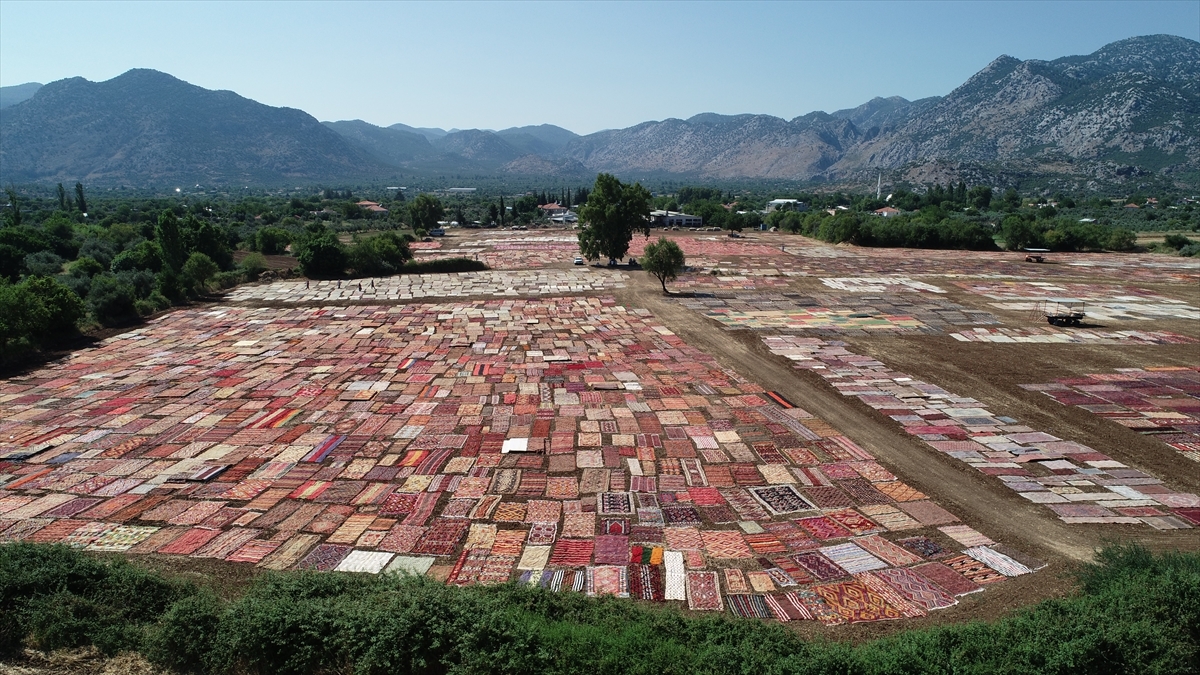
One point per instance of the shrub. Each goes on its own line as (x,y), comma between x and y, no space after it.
(443,266)
(323,257)
(100,250)
(197,272)
(183,640)
(110,300)
(381,255)
(44,263)
(145,256)
(271,240)
(63,598)
(253,265)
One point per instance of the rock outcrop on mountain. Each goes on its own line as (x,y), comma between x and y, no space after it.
(1134,101)
(1129,109)
(146,127)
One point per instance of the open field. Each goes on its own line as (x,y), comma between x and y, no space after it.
(814,434)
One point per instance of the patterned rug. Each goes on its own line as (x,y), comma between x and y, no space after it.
(497,569)
(725,544)
(852,558)
(735,581)
(916,588)
(973,569)
(818,566)
(703,591)
(947,579)
(890,595)
(619,503)
(677,515)
(828,497)
(646,582)
(572,552)
(997,561)
(324,557)
(442,537)
(781,499)
(928,513)
(508,542)
(816,607)
(579,525)
(821,527)
(542,534)
(924,547)
(612,549)
(401,538)
(190,542)
(887,551)
(749,606)
(542,511)
(468,566)
(683,538)
(122,538)
(253,551)
(608,580)
(854,521)
(856,602)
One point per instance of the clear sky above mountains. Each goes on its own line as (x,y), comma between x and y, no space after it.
(583,66)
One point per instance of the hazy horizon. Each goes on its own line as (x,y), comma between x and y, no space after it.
(581,66)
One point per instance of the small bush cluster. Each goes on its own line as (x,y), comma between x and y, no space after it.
(1135,613)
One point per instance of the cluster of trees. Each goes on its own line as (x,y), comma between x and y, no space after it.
(74,269)
(323,256)
(1182,245)
(1029,230)
(929,228)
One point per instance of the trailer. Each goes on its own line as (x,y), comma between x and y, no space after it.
(1036,255)
(1061,311)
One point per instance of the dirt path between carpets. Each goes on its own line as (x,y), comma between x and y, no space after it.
(976,498)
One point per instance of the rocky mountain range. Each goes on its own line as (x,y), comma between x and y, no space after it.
(1130,108)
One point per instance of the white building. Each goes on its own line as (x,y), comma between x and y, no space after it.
(788,204)
(674,219)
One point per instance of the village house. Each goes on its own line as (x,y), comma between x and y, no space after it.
(553,209)
(373,208)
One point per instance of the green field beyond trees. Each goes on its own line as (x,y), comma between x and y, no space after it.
(1132,612)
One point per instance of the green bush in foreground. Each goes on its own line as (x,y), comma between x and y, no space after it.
(1135,613)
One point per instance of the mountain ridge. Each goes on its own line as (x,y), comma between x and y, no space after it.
(1131,102)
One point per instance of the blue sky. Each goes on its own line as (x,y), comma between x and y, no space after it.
(584,66)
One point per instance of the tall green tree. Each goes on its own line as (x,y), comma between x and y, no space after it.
(502,211)
(426,210)
(614,211)
(663,259)
(13,216)
(62,197)
(79,200)
(170,241)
